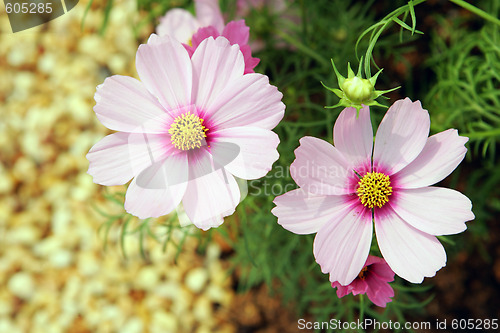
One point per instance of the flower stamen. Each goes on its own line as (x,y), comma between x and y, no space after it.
(374,189)
(362,274)
(187,132)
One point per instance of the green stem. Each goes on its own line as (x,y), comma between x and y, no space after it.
(388,19)
(361,307)
(477,11)
(479,135)
(303,48)
(304,124)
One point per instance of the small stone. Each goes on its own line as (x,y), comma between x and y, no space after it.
(163,322)
(65,319)
(19,55)
(113,313)
(23,85)
(61,259)
(6,183)
(6,325)
(47,63)
(147,278)
(84,188)
(169,290)
(41,318)
(22,285)
(5,308)
(196,279)
(87,264)
(61,220)
(202,309)
(218,295)
(47,247)
(79,109)
(213,252)
(181,305)
(24,235)
(132,325)
(117,63)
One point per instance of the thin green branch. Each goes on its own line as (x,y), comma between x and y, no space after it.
(477,11)
(303,48)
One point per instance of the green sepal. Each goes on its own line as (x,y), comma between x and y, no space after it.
(357,91)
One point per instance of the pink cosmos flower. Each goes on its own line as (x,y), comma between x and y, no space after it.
(373,280)
(346,189)
(181,25)
(186,130)
(236,32)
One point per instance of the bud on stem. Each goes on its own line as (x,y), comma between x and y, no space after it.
(355,91)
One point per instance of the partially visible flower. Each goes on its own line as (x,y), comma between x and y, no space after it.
(355,91)
(373,280)
(244,7)
(237,33)
(346,189)
(270,18)
(181,25)
(186,130)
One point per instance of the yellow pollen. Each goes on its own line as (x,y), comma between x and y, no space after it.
(374,189)
(187,132)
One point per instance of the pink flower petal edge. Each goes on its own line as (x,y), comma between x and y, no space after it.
(373,281)
(236,32)
(181,25)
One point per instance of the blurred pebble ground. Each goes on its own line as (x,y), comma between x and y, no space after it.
(54,273)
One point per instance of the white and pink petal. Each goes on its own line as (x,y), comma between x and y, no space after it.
(441,154)
(303,213)
(411,253)
(320,169)
(248,101)
(246,152)
(353,137)
(158,189)
(401,136)
(179,24)
(164,67)
(118,157)
(124,104)
(216,64)
(434,210)
(212,192)
(341,246)
(208,13)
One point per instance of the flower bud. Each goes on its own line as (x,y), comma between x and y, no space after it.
(358,90)
(355,91)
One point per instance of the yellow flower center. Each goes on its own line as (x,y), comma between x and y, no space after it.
(374,189)
(187,132)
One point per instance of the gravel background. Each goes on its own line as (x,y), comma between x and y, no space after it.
(54,273)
